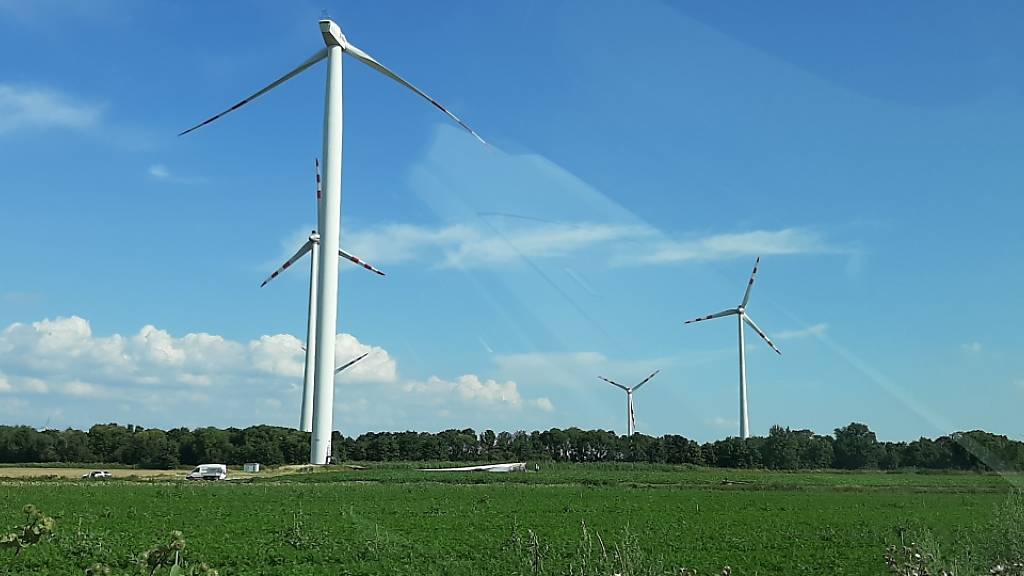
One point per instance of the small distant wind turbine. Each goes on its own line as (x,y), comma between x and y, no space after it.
(741,314)
(630,414)
(329,223)
(312,245)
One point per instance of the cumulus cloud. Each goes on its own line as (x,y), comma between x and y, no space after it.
(544,404)
(64,353)
(814,330)
(205,378)
(84,389)
(23,108)
(469,389)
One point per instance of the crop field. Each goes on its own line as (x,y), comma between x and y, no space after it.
(562,520)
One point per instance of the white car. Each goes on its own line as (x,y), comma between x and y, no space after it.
(208,472)
(97,475)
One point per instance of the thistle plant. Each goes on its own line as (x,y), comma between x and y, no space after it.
(170,556)
(37,528)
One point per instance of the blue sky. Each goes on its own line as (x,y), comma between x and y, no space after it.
(644,153)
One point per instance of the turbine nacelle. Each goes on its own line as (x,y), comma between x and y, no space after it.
(332,34)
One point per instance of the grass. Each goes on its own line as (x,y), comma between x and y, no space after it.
(600,519)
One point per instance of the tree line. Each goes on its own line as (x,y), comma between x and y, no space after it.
(850,447)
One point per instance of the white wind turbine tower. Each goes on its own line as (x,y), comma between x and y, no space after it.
(329,223)
(741,315)
(312,246)
(630,413)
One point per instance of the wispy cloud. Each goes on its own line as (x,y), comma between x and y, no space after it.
(27,108)
(722,423)
(812,330)
(472,245)
(973,347)
(164,174)
(21,297)
(733,245)
(465,245)
(159,171)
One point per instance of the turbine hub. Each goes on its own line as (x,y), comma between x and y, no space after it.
(332,34)
(314,237)
(740,310)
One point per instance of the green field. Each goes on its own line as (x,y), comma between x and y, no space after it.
(638,520)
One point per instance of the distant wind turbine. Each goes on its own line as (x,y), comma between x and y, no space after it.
(741,314)
(329,223)
(312,245)
(630,413)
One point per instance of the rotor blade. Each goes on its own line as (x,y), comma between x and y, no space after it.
(760,333)
(320,55)
(372,63)
(614,383)
(728,312)
(302,252)
(750,284)
(351,362)
(319,190)
(356,260)
(646,380)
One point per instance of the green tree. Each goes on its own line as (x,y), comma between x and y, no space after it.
(855,447)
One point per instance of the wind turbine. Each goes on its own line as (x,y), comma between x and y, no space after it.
(741,315)
(329,222)
(630,414)
(312,246)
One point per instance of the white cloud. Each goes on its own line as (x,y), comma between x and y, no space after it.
(376,367)
(163,173)
(544,404)
(63,354)
(24,107)
(469,390)
(200,379)
(722,423)
(972,347)
(470,245)
(159,171)
(34,385)
(573,370)
(83,389)
(463,245)
(489,200)
(733,245)
(812,330)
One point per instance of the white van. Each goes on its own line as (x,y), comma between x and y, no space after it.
(208,472)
